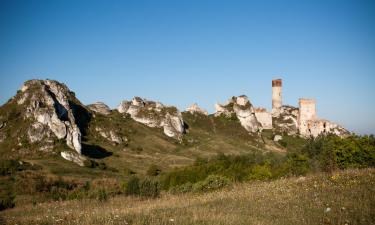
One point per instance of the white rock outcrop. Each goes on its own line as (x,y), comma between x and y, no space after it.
(155,114)
(50,106)
(242,108)
(100,108)
(73,157)
(194,108)
(110,136)
(286,120)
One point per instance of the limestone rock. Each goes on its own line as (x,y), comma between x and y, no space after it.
(155,114)
(110,136)
(277,138)
(243,109)
(37,132)
(100,108)
(286,120)
(50,105)
(73,157)
(194,108)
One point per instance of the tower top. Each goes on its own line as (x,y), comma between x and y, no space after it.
(307,101)
(277,83)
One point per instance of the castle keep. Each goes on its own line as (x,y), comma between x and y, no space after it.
(276,96)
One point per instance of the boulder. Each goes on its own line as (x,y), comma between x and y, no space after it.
(74,157)
(277,138)
(100,107)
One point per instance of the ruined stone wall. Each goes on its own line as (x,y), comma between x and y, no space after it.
(263,117)
(276,95)
(307,112)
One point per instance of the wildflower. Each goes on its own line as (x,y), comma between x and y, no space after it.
(327,210)
(171,220)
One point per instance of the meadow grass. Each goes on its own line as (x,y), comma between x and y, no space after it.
(342,197)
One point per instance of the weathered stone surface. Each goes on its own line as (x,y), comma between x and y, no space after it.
(194,108)
(50,105)
(100,108)
(311,126)
(277,138)
(74,157)
(37,132)
(286,120)
(154,114)
(263,117)
(244,111)
(111,136)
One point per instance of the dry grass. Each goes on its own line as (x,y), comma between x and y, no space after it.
(346,197)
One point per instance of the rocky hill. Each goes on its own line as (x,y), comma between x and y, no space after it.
(44,123)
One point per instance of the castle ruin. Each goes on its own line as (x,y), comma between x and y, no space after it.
(276,96)
(283,118)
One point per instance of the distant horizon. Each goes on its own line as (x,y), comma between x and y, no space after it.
(203,52)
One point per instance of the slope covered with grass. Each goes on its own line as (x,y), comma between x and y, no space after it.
(345,197)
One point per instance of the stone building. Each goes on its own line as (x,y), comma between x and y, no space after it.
(276,96)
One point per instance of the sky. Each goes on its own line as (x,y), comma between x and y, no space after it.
(203,51)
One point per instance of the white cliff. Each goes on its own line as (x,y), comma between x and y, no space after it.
(49,104)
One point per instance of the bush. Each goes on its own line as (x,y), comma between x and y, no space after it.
(297,164)
(261,172)
(149,188)
(102,195)
(7,200)
(132,186)
(153,170)
(212,182)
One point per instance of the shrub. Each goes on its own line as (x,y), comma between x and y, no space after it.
(212,182)
(102,195)
(8,167)
(149,188)
(298,164)
(7,200)
(132,186)
(153,170)
(57,193)
(261,172)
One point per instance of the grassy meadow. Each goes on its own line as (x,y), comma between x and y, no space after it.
(342,197)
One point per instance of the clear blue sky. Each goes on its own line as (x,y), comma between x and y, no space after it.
(204,51)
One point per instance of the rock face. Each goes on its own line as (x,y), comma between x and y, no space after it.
(194,108)
(242,108)
(155,114)
(50,105)
(286,120)
(100,108)
(110,136)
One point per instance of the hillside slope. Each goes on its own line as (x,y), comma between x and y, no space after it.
(45,119)
(345,197)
